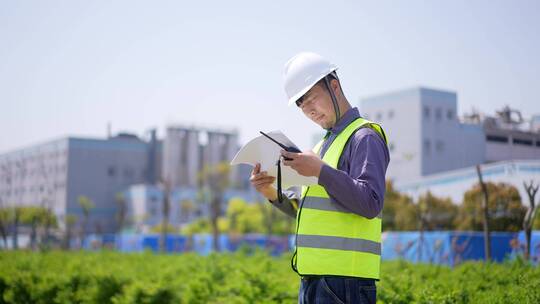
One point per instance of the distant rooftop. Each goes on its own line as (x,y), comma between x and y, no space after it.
(507,119)
(406,92)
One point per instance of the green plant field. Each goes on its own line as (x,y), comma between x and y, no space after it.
(110,277)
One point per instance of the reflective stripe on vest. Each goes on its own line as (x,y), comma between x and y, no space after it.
(330,240)
(326,203)
(334,242)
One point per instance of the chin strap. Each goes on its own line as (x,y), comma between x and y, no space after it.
(334,99)
(279,193)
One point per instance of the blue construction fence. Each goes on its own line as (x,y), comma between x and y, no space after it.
(199,243)
(438,247)
(453,247)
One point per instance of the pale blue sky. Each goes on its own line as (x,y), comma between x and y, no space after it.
(69,67)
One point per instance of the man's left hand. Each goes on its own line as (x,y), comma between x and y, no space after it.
(305,163)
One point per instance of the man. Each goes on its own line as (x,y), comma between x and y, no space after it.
(338,221)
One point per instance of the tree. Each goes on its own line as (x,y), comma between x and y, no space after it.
(201,225)
(506,211)
(242,217)
(86,205)
(121,213)
(32,216)
(4,222)
(35,217)
(529,218)
(48,220)
(70,222)
(159,229)
(536,222)
(5,179)
(436,213)
(274,222)
(269,217)
(251,219)
(234,209)
(186,209)
(485,213)
(259,217)
(46,193)
(166,210)
(215,179)
(15,216)
(399,212)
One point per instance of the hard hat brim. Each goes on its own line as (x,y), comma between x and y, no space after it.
(297,96)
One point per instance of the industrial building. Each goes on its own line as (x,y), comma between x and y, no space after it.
(432,149)
(55,174)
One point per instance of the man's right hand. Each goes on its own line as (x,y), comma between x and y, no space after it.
(263,183)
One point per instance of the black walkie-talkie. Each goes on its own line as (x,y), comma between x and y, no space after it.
(278,164)
(288,149)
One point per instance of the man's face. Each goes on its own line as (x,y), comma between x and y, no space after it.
(317,106)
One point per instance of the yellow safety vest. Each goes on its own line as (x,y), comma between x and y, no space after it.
(331,240)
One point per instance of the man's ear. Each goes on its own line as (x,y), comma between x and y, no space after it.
(336,87)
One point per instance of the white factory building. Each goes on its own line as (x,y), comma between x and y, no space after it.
(432,149)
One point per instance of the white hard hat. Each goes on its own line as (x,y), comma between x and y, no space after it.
(302,72)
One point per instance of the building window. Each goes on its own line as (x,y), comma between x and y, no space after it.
(427,146)
(111,172)
(538,143)
(450,115)
(525,142)
(128,173)
(426,112)
(390,114)
(439,146)
(497,138)
(438,114)
(153,211)
(378,117)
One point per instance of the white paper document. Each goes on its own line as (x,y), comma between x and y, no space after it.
(266,152)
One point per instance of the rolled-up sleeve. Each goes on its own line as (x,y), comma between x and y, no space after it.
(360,185)
(289,205)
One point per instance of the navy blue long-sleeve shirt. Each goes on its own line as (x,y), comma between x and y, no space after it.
(358,184)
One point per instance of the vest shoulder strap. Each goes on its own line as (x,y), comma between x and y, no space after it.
(333,154)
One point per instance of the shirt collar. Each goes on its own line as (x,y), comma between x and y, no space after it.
(349,116)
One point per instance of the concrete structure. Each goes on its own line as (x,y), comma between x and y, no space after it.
(431,149)
(424,134)
(181,156)
(535,124)
(426,137)
(145,205)
(55,174)
(36,176)
(455,183)
(187,150)
(508,138)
